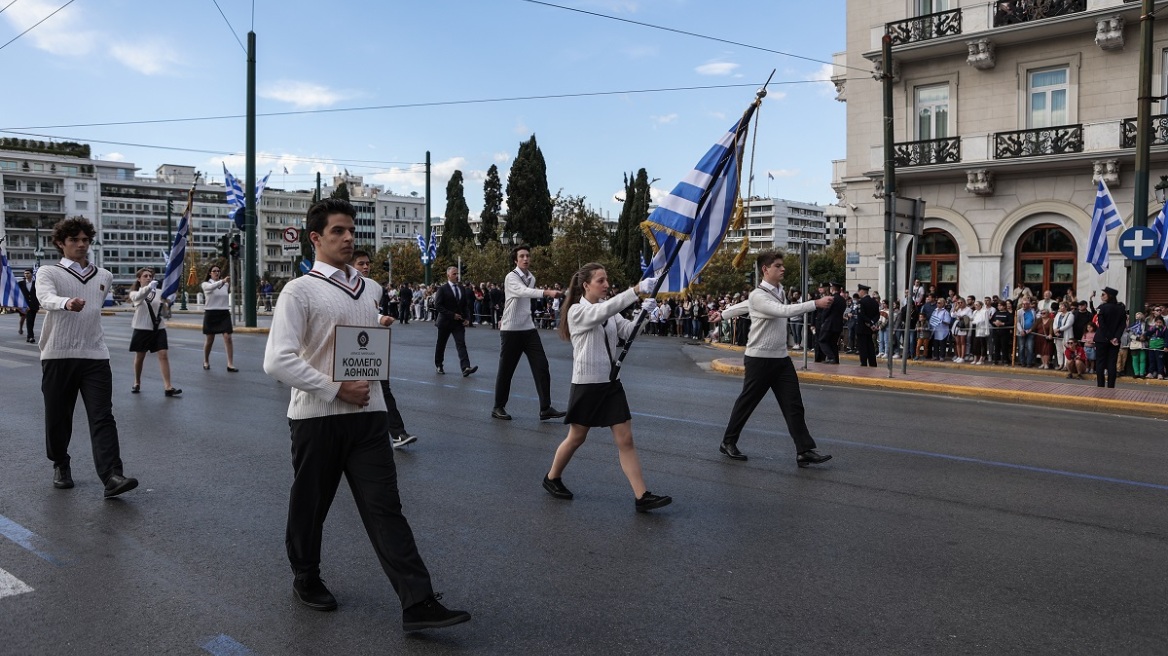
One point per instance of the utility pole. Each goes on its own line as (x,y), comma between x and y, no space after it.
(889,191)
(426,235)
(249,222)
(1138,272)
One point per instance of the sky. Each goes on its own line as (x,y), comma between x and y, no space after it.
(113,61)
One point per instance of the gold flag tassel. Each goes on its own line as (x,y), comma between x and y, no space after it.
(739,221)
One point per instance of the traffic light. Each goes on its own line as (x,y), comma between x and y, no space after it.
(235,246)
(225,246)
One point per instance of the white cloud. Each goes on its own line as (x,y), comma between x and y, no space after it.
(59,35)
(521,129)
(716,68)
(502,157)
(823,74)
(150,57)
(413,178)
(302,95)
(113,157)
(664,120)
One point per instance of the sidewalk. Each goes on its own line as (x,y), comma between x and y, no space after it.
(1146,398)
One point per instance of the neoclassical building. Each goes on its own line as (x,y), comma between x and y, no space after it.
(1005,115)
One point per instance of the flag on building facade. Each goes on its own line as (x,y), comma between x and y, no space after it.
(1104,219)
(178,251)
(689,224)
(10,294)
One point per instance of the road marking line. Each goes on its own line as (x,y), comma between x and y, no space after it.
(225,645)
(31,352)
(12,364)
(24,537)
(11,586)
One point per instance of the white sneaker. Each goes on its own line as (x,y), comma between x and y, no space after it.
(402,440)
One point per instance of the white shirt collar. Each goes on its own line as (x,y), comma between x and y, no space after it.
(71,264)
(348,275)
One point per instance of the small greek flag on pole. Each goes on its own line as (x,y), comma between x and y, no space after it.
(433,250)
(1104,219)
(422,249)
(1160,225)
(10,294)
(178,251)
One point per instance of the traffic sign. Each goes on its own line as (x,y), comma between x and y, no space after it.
(291,235)
(1138,243)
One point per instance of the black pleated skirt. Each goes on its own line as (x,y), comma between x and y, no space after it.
(598,404)
(216,322)
(152,341)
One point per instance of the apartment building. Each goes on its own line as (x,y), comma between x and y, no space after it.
(1005,115)
(781,224)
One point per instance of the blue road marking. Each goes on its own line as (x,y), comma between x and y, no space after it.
(24,537)
(225,645)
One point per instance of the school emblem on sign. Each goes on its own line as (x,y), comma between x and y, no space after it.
(363,340)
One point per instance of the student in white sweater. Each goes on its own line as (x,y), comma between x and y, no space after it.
(339,427)
(149,334)
(74,358)
(598,399)
(768,366)
(217,315)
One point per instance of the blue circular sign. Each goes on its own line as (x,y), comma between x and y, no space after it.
(1138,243)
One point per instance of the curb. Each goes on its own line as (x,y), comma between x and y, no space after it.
(1154,410)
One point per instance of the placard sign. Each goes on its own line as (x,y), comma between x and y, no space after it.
(360,353)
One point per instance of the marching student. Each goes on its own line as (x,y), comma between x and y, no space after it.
(75,359)
(149,330)
(339,427)
(518,336)
(217,315)
(27,287)
(594,325)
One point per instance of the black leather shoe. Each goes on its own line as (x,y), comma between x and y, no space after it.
(431,614)
(117,484)
(731,451)
(556,488)
(649,501)
(810,457)
(500,413)
(439,370)
(469,370)
(62,478)
(173,391)
(310,591)
(551,413)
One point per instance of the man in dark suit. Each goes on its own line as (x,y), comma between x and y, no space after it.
(1112,318)
(452,303)
(831,325)
(28,289)
(866,327)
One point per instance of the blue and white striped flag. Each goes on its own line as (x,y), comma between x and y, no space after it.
(694,217)
(433,250)
(178,251)
(234,189)
(422,249)
(10,294)
(1160,225)
(1104,219)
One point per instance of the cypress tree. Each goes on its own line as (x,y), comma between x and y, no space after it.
(492,206)
(456,228)
(529,204)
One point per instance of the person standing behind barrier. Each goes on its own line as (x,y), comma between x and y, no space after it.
(832,324)
(940,321)
(1064,326)
(28,290)
(149,330)
(75,359)
(594,326)
(1024,323)
(768,366)
(1112,320)
(217,316)
(1001,334)
(980,329)
(1139,358)
(519,337)
(867,325)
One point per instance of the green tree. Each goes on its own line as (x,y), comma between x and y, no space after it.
(342,192)
(492,206)
(529,204)
(405,261)
(793,272)
(720,275)
(625,226)
(487,263)
(638,244)
(580,238)
(456,228)
(830,265)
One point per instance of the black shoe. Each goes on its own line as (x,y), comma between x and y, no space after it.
(32,340)
(468,371)
(439,370)
(310,591)
(173,391)
(398,441)
(117,484)
(731,451)
(62,478)
(551,413)
(649,501)
(555,487)
(810,457)
(431,614)
(831,361)
(500,413)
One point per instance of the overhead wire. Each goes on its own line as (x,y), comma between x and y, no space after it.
(7,6)
(233,32)
(36,23)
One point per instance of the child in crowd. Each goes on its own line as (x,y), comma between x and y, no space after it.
(1089,346)
(1156,336)
(1139,360)
(924,334)
(1076,359)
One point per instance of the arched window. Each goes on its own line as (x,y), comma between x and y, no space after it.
(1046,260)
(937,261)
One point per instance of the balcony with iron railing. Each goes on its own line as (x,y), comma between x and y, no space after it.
(929,151)
(1012,12)
(923,28)
(1159,131)
(1055,140)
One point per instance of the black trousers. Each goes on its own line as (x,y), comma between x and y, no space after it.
(514,344)
(397,426)
(829,345)
(456,329)
(776,375)
(1106,355)
(30,320)
(866,347)
(324,448)
(61,381)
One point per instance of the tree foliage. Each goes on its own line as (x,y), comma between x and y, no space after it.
(529,203)
(580,238)
(638,245)
(492,207)
(830,265)
(720,276)
(456,229)
(342,192)
(487,263)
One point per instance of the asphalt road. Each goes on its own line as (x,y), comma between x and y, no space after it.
(942,526)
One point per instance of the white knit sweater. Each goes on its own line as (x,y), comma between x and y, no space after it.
(72,334)
(768,320)
(216,295)
(591,360)
(517,306)
(142,320)
(299,352)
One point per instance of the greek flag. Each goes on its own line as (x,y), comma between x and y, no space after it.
(1160,225)
(178,251)
(10,294)
(1104,219)
(422,249)
(433,250)
(235,197)
(688,225)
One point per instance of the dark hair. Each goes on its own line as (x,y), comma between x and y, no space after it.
(515,252)
(360,253)
(575,293)
(213,266)
(73,227)
(767,258)
(137,278)
(319,213)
